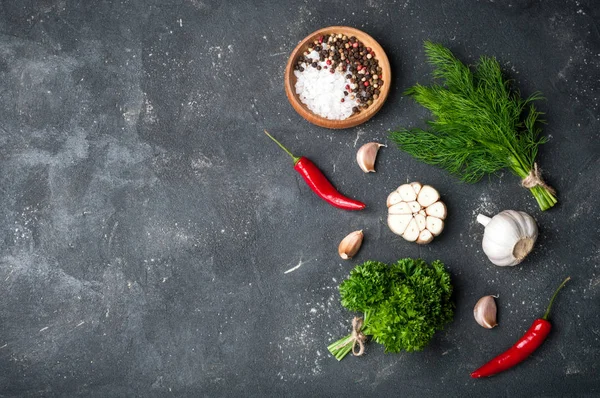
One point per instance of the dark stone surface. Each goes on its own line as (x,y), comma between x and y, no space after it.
(146,223)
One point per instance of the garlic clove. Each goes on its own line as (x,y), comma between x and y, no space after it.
(350,245)
(399,222)
(435,225)
(400,208)
(421,221)
(415,207)
(428,195)
(366,156)
(424,237)
(438,209)
(394,198)
(416,186)
(485,312)
(412,231)
(407,193)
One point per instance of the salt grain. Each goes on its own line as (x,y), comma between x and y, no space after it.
(322,91)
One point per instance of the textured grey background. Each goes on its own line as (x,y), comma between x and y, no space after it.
(146,222)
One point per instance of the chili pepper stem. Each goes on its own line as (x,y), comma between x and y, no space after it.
(294,158)
(547,313)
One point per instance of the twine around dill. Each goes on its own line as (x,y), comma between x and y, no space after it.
(535,179)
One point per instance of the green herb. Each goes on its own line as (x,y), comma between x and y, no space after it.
(480,125)
(403,304)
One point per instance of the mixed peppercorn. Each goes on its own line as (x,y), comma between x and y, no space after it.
(347,55)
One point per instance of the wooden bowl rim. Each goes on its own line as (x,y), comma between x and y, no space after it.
(353,120)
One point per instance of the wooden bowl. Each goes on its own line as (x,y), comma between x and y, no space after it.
(357,118)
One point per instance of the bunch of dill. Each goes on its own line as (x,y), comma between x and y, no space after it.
(480,125)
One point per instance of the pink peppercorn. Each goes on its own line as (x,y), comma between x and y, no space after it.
(366,84)
(328,62)
(355,44)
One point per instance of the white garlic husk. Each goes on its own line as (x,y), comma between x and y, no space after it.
(508,237)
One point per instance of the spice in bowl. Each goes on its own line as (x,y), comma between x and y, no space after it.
(337,76)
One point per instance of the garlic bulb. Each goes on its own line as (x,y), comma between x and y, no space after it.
(366,155)
(416,213)
(508,237)
(485,312)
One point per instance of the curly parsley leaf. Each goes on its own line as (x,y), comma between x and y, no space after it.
(403,304)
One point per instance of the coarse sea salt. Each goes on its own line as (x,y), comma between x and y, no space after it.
(322,91)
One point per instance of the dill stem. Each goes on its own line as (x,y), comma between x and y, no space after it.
(544,198)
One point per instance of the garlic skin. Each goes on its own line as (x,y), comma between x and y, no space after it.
(350,245)
(366,155)
(485,312)
(508,237)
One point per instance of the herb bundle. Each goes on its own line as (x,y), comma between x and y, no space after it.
(403,305)
(480,125)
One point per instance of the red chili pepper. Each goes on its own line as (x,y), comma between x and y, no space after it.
(317,181)
(530,341)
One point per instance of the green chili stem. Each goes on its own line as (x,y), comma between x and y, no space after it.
(553,297)
(294,158)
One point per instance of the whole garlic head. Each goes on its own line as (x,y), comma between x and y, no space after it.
(508,237)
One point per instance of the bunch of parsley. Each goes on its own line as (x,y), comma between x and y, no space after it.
(403,305)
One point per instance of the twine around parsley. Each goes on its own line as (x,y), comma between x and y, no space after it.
(357,338)
(535,179)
